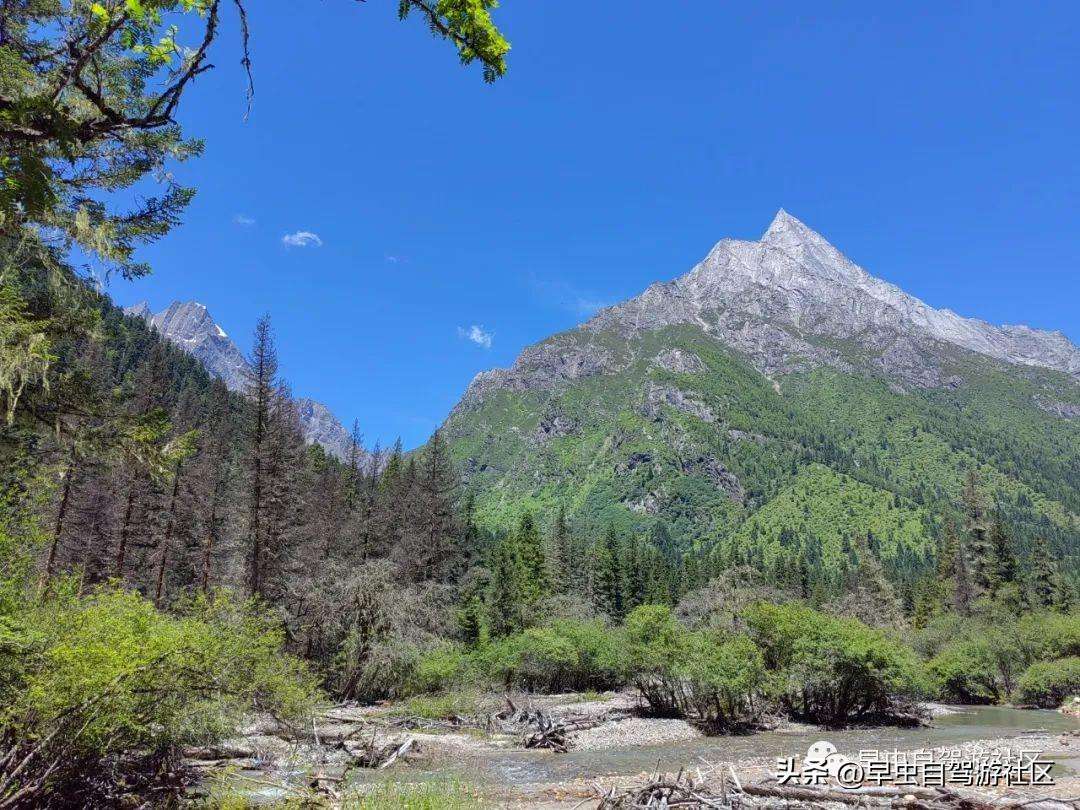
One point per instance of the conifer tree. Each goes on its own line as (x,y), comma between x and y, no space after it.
(431,552)
(977,540)
(261,389)
(507,595)
(557,553)
(1001,570)
(963,587)
(1044,577)
(530,547)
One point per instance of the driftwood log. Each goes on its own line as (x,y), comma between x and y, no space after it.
(720,789)
(375,754)
(535,727)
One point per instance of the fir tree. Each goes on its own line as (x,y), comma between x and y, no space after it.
(557,553)
(1044,578)
(262,387)
(530,548)
(507,593)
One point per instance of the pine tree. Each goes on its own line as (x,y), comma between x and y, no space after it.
(284,487)
(605,589)
(602,583)
(507,595)
(963,587)
(1001,569)
(977,541)
(214,478)
(261,389)
(1044,583)
(530,547)
(427,545)
(557,553)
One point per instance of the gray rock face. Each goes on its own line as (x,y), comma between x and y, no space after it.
(1064,410)
(679,361)
(794,280)
(562,358)
(188,324)
(783,302)
(554,425)
(658,396)
(320,426)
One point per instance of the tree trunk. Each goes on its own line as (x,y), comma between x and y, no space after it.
(208,549)
(125,530)
(61,513)
(168,536)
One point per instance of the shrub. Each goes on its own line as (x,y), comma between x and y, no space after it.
(443,706)
(1048,636)
(715,678)
(427,796)
(447,666)
(654,644)
(564,656)
(724,680)
(107,675)
(833,670)
(1048,683)
(977,669)
(941,631)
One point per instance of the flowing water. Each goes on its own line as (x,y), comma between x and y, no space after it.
(512,768)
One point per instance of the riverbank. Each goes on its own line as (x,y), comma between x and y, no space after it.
(349,751)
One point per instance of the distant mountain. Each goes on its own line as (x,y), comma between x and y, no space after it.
(778,397)
(188,324)
(321,426)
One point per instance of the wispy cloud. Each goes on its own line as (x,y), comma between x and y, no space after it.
(477,334)
(243,219)
(588,306)
(302,239)
(394,259)
(568,297)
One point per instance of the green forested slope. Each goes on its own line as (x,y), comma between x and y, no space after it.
(735,463)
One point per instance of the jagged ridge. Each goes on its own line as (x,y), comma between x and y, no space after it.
(189,325)
(774,300)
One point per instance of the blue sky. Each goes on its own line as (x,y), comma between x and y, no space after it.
(453,223)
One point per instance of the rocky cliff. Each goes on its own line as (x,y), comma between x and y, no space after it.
(189,325)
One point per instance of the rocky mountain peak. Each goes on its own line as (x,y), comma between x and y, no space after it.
(774,300)
(139,310)
(190,326)
(793,279)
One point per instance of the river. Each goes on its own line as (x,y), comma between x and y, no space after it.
(520,769)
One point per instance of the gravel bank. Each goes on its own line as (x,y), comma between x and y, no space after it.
(634,731)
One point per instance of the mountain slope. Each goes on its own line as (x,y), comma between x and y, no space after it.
(189,325)
(702,401)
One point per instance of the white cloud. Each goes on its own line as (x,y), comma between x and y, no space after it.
(243,219)
(301,239)
(568,297)
(585,306)
(393,259)
(477,335)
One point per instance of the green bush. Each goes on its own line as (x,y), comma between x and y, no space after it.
(978,668)
(428,796)
(106,675)
(724,680)
(444,706)
(654,645)
(1048,636)
(565,656)
(1048,683)
(715,678)
(449,666)
(834,671)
